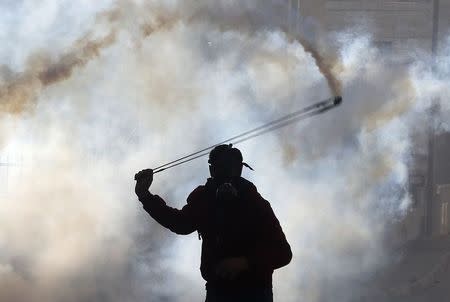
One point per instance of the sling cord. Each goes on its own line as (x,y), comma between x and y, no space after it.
(288,119)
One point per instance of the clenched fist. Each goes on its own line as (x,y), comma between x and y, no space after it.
(144,179)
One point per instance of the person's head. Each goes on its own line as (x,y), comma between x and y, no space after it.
(225,162)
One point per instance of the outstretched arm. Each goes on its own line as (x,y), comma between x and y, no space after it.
(178,221)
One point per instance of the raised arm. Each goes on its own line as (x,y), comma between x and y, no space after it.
(178,221)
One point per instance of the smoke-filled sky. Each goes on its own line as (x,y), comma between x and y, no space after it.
(93,91)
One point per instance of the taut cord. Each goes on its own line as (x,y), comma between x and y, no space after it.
(283,121)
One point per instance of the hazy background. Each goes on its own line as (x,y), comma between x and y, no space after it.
(90,93)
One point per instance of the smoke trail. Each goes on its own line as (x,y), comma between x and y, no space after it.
(252,18)
(19,90)
(327,66)
(182,74)
(19,93)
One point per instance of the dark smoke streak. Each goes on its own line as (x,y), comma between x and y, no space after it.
(325,67)
(20,93)
(251,22)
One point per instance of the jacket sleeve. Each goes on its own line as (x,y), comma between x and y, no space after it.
(181,222)
(272,249)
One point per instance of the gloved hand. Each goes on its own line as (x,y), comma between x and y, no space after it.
(144,179)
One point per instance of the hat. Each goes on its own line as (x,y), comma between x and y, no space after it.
(226,153)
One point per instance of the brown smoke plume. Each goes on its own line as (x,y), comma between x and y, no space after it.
(245,21)
(327,66)
(252,22)
(20,93)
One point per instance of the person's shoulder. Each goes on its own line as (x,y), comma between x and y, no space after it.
(246,185)
(199,190)
(249,190)
(251,193)
(245,181)
(197,194)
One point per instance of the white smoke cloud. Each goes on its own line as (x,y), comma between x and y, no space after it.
(180,75)
(27,27)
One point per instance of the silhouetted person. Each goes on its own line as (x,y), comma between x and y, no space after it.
(243,242)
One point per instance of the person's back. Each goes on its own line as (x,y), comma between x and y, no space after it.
(242,241)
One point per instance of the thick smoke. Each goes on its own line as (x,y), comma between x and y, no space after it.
(115,87)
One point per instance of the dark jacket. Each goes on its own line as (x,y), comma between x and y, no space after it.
(245,226)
